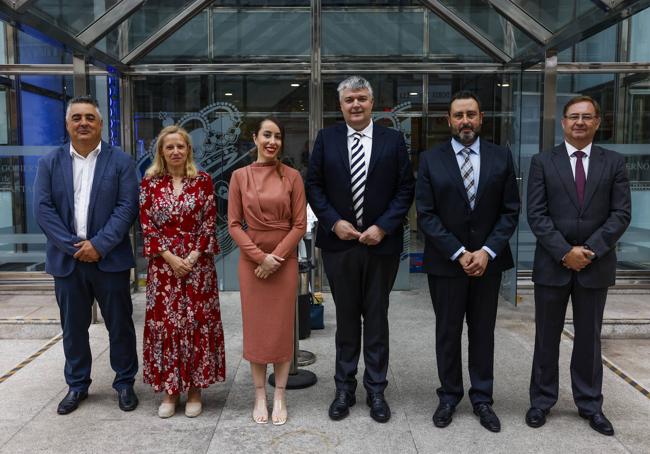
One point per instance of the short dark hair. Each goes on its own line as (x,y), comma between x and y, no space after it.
(86,99)
(582,98)
(464,94)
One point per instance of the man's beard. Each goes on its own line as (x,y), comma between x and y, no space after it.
(467,137)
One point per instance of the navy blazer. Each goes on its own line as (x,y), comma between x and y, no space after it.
(388,194)
(446,218)
(112,209)
(559,223)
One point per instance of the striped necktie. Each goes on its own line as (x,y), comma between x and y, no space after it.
(467,172)
(358,176)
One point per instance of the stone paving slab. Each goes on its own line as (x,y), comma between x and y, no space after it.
(29,422)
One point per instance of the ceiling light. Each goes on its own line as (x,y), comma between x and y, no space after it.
(295,85)
(228,93)
(503,85)
(413,93)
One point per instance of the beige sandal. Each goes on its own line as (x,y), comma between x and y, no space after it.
(167,409)
(260,411)
(193,408)
(279,415)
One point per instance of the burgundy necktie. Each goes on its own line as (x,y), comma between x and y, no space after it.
(581,179)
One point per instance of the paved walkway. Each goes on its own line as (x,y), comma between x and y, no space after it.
(29,423)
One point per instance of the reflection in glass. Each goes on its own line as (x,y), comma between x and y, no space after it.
(271,32)
(187,44)
(553,14)
(447,44)
(483,17)
(640,36)
(72,16)
(148,19)
(367,31)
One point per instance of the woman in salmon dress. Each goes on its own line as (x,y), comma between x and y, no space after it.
(183,335)
(267,218)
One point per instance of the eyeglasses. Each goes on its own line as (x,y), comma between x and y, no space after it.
(583,117)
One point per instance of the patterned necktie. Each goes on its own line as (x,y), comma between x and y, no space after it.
(581,178)
(467,172)
(358,176)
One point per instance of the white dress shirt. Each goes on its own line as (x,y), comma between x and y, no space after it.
(570,149)
(366,141)
(83,173)
(475,159)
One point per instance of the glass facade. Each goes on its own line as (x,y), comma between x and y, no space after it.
(220,69)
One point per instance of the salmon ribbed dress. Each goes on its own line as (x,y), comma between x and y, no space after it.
(267,214)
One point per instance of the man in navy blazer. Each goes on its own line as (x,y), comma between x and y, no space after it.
(85,201)
(468,206)
(360,186)
(578,207)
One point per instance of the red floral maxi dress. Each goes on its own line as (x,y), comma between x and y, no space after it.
(183,335)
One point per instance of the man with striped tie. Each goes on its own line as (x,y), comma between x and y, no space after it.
(360,186)
(468,206)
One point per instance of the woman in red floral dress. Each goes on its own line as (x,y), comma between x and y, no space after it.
(183,335)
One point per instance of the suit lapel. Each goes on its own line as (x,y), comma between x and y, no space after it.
(68,179)
(486,168)
(596,166)
(342,149)
(377,147)
(451,164)
(100,166)
(563,167)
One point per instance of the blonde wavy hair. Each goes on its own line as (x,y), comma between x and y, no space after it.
(159,166)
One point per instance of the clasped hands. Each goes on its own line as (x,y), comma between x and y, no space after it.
(474,263)
(86,252)
(269,266)
(370,237)
(181,266)
(577,258)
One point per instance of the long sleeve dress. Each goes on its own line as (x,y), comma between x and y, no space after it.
(183,334)
(267,214)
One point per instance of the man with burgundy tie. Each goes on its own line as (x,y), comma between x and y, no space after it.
(360,186)
(468,207)
(578,208)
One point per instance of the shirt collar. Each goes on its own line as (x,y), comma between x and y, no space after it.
(570,149)
(458,147)
(367,131)
(75,153)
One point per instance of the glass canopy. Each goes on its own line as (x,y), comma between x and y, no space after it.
(127,32)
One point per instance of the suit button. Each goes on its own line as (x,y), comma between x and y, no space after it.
(472,230)
(574,243)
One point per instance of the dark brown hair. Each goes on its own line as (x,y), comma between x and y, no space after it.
(582,98)
(258,128)
(463,94)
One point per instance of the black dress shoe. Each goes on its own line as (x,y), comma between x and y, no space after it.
(599,422)
(488,418)
(127,399)
(340,406)
(536,417)
(442,415)
(379,409)
(71,401)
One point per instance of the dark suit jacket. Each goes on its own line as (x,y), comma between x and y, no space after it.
(445,216)
(559,223)
(112,209)
(388,194)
